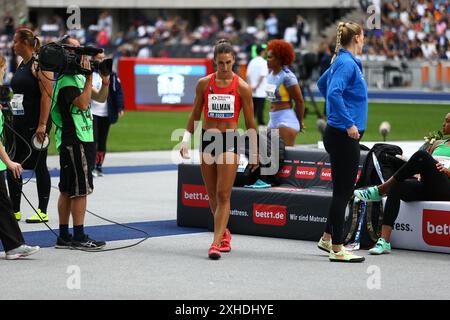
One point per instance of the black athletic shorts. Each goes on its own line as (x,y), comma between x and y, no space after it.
(77,162)
(215,142)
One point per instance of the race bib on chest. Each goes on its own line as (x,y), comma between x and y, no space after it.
(17,105)
(221,106)
(270,91)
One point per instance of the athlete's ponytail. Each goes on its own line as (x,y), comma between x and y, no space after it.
(344,35)
(223,46)
(2,66)
(27,36)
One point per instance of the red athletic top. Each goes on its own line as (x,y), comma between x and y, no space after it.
(222,103)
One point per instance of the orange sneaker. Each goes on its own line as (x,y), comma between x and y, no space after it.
(214,252)
(225,244)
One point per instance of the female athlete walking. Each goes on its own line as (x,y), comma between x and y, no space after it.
(221,96)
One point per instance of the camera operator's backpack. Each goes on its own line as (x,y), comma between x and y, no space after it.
(380,164)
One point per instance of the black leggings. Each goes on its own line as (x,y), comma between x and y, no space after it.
(42,181)
(344,158)
(258,105)
(10,233)
(433,185)
(101,130)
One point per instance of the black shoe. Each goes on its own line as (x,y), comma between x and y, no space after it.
(64,243)
(88,244)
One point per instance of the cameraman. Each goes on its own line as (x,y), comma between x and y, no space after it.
(75,143)
(10,234)
(32,93)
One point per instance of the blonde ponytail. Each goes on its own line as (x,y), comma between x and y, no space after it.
(338,40)
(345,33)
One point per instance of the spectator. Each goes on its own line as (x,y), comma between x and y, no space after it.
(429,49)
(102,39)
(50,28)
(300,23)
(306,30)
(214,23)
(8,22)
(272,26)
(78,32)
(22,20)
(144,52)
(105,22)
(259,22)
(290,34)
(228,23)
(105,114)
(257,72)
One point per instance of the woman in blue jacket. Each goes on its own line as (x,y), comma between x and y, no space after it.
(345,90)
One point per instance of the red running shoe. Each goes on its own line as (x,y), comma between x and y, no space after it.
(214,252)
(225,244)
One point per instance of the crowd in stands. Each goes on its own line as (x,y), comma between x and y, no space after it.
(156,38)
(408,30)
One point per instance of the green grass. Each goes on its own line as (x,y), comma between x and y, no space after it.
(143,131)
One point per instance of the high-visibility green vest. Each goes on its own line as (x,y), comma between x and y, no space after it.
(253,53)
(82,119)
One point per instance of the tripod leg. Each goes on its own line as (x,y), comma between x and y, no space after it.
(319,115)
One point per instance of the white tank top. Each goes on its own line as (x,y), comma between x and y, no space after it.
(99,109)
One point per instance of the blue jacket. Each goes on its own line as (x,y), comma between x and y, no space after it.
(345,91)
(115,98)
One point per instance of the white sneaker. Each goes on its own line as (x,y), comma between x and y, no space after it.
(22,251)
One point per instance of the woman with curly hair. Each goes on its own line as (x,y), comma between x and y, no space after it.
(282,87)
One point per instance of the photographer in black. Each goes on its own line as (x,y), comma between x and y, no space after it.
(32,98)
(10,234)
(75,142)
